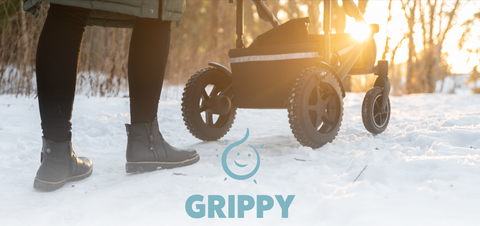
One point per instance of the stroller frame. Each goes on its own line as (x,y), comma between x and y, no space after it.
(375,108)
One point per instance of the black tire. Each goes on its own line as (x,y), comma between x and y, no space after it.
(315,107)
(373,120)
(199,122)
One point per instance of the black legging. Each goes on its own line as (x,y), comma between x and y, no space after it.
(57,59)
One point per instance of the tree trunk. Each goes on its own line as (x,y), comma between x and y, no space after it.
(214,29)
(412,79)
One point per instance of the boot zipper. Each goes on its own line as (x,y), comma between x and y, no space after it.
(152,144)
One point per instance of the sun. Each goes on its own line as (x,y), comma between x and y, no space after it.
(361,31)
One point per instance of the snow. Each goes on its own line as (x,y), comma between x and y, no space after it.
(456,84)
(423,170)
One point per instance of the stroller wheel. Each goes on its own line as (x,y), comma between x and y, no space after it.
(206,104)
(315,107)
(374,120)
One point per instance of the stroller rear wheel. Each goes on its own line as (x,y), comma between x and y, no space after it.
(374,119)
(206,104)
(315,107)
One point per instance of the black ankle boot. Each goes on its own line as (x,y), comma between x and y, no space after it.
(60,165)
(148,151)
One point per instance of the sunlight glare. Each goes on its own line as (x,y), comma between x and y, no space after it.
(304,9)
(361,31)
(282,15)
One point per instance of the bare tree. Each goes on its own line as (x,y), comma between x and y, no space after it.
(424,68)
(409,7)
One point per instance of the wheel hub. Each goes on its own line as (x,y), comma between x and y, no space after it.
(321,107)
(219,105)
(380,115)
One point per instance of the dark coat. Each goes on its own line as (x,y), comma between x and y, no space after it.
(118,13)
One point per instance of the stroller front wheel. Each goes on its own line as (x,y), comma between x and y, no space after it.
(374,119)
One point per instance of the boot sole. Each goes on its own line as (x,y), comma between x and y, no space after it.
(52,186)
(140,167)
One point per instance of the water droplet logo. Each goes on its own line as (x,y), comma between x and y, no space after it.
(224,160)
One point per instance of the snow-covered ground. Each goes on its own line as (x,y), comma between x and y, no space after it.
(456,84)
(423,170)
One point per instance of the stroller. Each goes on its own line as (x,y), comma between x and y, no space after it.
(287,68)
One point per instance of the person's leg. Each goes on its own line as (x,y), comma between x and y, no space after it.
(147,61)
(56,70)
(146,148)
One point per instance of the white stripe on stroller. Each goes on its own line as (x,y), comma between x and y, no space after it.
(286,56)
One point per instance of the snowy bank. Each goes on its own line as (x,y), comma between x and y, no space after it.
(423,170)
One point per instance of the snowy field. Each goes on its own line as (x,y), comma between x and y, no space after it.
(423,170)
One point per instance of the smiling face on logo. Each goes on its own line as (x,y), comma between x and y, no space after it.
(239,162)
(241,165)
